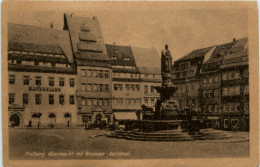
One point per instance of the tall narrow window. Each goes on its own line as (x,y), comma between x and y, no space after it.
(137,87)
(83,87)
(61,80)
(89,73)
(38,98)
(11,79)
(152,89)
(25,98)
(83,72)
(106,74)
(89,87)
(51,99)
(106,88)
(100,73)
(38,81)
(62,99)
(132,87)
(72,82)
(11,98)
(72,99)
(146,89)
(127,87)
(26,80)
(51,81)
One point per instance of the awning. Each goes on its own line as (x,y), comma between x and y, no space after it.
(125,115)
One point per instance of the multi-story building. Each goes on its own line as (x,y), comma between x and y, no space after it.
(211,85)
(93,69)
(148,64)
(42,82)
(235,90)
(126,89)
(186,72)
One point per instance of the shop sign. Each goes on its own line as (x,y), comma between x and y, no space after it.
(44,89)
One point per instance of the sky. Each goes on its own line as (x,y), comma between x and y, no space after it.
(150,25)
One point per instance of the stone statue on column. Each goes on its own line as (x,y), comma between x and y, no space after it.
(166,66)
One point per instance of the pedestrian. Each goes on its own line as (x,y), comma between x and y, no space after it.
(39,124)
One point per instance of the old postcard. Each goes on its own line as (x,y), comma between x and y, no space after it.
(130,83)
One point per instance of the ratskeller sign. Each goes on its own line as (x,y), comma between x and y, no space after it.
(46,89)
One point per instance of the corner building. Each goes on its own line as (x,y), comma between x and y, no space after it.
(93,69)
(42,81)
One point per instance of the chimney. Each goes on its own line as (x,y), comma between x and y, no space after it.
(51,26)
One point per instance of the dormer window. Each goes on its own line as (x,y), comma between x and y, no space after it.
(126,58)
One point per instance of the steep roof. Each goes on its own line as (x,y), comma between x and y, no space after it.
(238,54)
(120,55)
(149,70)
(195,54)
(146,57)
(86,38)
(36,39)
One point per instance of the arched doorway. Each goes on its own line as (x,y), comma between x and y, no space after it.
(67,117)
(52,118)
(15,120)
(98,119)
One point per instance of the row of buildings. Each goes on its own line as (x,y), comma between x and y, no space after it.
(70,76)
(215,82)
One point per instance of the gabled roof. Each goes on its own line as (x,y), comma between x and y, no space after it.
(146,57)
(36,39)
(120,55)
(219,53)
(195,54)
(86,38)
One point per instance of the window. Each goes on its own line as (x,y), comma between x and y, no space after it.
(36,62)
(225,91)
(95,102)
(25,98)
(215,78)
(127,87)
(204,80)
(210,108)
(146,89)
(216,108)
(53,64)
(132,87)
(127,102)
(226,108)
(152,101)
(95,87)
(246,90)
(210,79)
(72,99)
(106,88)
(89,102)
(62,99)
(51,99)
(138,102)
(210,93)
(26,80)
(152,89)
(11,79)
(132,102)
(237,75)
(100,102)
(95,73)
(83,87)
(231,75)
(105,102)
(224,76)
(61,81)
(83,72)
(89,87)
(100,73)
(51,81)
(72,82)
(131,75)
(146,101)
(11,98)
(83,102)
(89,73)
(101,87)
(216,93)
(106,74)
(232,108)
(38,81)
(237,90)
(205,93)
(137,87)
(38,98)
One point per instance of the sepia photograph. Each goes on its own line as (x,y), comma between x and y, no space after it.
(130,81)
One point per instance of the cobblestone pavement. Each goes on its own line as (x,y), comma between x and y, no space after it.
(93,144)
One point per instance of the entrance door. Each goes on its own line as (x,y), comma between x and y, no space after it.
(15,119)
(98,120)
